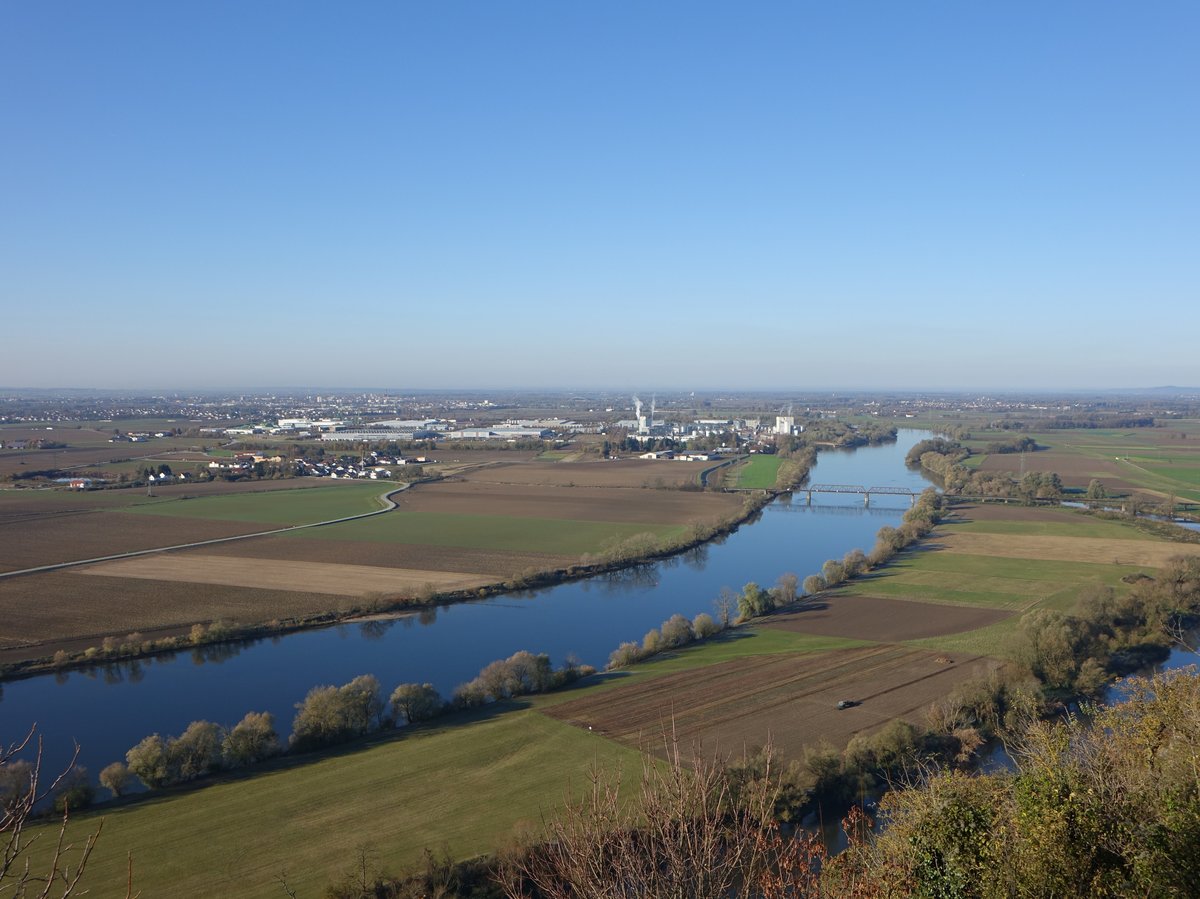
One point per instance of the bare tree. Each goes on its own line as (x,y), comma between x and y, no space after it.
(19,876)
(693,832)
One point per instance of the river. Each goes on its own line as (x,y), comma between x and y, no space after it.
(109,708)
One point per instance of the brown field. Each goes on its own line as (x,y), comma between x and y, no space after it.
(497,564)
(1006,512)
(274,577)
(876,618)
(81,457)
(789,699)
(474,497)
(1067,549)
(626,473)
(34,502)
(69,608)
(1074,470)
(89,535)
(458,457)
(310,577)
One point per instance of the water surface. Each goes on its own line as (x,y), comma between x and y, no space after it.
(108,709)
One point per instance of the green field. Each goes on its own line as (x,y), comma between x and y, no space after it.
(554,536)
(277,507)
(463,786)
(968,580)
(758,472)
(1019,585)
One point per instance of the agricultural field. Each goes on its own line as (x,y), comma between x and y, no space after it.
(789,699)
(492,522)
(1157,462)
(1008,559)
(46,527)
(757,473)
(88,449)
(893,642)
(651,473)
(463,787)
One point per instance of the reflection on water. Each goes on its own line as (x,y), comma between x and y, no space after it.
(376,629)
(853,509)
(108,711)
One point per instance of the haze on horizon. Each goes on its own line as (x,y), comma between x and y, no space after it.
(686,195)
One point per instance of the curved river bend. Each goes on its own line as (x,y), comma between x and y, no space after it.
(110,708)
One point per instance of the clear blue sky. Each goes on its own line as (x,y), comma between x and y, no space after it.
(680,195)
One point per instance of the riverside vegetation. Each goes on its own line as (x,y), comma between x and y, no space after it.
(1106,808)
(794,465)
(973,712)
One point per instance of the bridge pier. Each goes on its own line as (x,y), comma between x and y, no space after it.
(867,500)
(808,501)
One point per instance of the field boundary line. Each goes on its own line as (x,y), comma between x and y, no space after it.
(385,498)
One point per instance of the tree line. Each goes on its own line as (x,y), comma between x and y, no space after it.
(328,715)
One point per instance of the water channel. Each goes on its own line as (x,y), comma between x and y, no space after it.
(109,708)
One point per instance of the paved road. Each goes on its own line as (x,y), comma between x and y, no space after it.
(385,498)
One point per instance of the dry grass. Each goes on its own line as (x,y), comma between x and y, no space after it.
(1067,549)
(310,577)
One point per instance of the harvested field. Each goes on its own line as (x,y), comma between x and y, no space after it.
(878,619)
(1068,549)
(85,454)
(70,606)
(1006,512)
(570,503)
(89,535)
(788,699)
(311,577)
(498,565)
(459,457)
(625,473)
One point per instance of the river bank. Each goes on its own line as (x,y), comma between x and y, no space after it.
(77,653)
(108,707)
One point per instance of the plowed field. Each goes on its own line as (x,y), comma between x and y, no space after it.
(64,538)
(71,608)
(1067,549)
(474,497)
(625,473)
(876,618)
(788,699)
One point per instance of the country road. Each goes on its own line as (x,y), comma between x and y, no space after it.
(385,498)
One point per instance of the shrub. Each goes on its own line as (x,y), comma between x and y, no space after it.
(704,626)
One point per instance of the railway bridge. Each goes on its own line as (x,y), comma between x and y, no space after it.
(864,492)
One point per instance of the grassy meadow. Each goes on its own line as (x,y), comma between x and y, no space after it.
(468,782)
(494,532)
(758,472)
